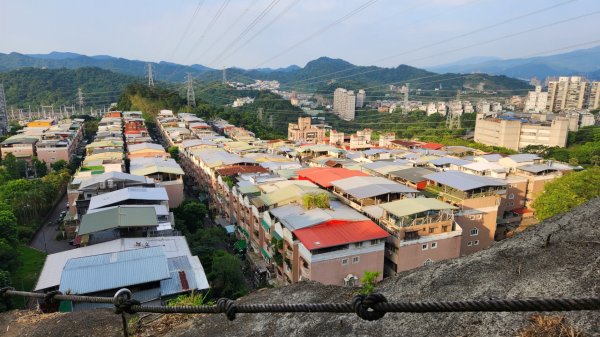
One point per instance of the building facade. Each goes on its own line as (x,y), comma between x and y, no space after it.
(344,103)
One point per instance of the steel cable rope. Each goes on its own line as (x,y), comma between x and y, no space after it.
(478,30)
(187,28)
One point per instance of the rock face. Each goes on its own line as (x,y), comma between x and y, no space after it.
(559,257)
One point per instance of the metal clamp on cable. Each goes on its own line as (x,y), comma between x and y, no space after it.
(123,302)
(49,296)
(228,307)
(4,290)
(364,306)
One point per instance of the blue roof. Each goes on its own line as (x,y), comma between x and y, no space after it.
(186,273)
(463,181)
(523,157)
(492,157)
(95,273)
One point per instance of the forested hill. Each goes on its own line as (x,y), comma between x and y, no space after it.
(323,72)
(163,71)
(35,87)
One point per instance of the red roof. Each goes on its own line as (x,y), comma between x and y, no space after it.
(432,146)
(339,232)
(236,169)
(406,143)
(323,176)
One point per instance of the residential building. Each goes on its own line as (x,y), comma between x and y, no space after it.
(344,103)
(305,132)
(336,138)
(422,231)
(536,101)
(568,93)
(361,191)
(361,98)
(477,199)
(386,138)
(21,146)
(516,134)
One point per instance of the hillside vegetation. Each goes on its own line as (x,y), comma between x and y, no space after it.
(35,87)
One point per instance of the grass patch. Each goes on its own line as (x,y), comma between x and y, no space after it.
(25,277)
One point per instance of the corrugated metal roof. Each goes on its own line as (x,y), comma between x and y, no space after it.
(410,206)
(114,175)
(118,217)
(413,174)
(339,232)
(523,157)
(449,160)
(537,168)
(492,157)
(114,270)
(323,176)
(186,273)
(463,181)
(145,146)
(129,193)
(294,216)
(366,187)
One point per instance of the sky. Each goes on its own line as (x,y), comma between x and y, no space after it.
(247,34)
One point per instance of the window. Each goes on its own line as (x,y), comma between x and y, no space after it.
(470,243)
(474,231)
(511,196)
(472,217)
(424,247)
(358,244)
(433,245)
(475,243)
(344,262)
(479,216)
(511,203)
(431,230)
(374,242)
(356,259)
(428,262)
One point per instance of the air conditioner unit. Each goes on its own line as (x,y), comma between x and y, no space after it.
(102,185)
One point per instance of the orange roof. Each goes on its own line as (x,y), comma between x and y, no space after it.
(323,176)
(339,232)
(432,146)
(236,169)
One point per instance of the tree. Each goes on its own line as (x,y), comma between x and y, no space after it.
(595,160)
(59,165)
(5,304)
(192,212)
(39,167)
(9,257)
(226,276)
(174,152)
(368,282)
(8,227)
(16,168)
(566,192)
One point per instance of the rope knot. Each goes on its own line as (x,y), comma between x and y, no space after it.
(124,305)
(227,307)
(364,306)
(3,291)
(49,296)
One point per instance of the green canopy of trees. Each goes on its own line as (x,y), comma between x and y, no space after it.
(566,192)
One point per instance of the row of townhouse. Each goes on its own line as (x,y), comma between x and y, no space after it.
(121,220)
(48,140)
(324,213)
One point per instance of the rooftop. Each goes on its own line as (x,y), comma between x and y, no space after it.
(339,232)
(413,174)
(367,187)
(324,176)
(118,217)
(463,181)
(129,193)
(409,206)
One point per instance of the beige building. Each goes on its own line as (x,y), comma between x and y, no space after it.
(361,97)
(567,93)
(594,100)
(344,103)
(303,131)
(536,100)
(515,134)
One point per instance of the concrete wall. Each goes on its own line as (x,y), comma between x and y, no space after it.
(333,272)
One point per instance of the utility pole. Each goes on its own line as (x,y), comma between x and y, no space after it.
(150,75)
(80,99)
(191,97)
(224,75)
(3,116)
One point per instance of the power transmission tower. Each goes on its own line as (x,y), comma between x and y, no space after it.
(191,97)
(260,114)
(271,121)
(80,99)
(150,75)
(224,75)
(406,97)
(3,116)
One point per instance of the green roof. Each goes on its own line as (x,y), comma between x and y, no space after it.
(408,206)
(118,217)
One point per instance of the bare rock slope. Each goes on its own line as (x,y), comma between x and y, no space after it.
(559,257)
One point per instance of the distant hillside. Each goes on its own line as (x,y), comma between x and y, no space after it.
(35,87)
(325,73)
(163,71)
(584,61)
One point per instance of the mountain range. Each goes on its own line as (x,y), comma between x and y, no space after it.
(584,62)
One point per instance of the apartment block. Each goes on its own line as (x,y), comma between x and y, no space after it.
(570,93)
(344,103)
(514,133)
(536,101)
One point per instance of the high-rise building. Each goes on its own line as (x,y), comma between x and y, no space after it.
(536,100)
(594,100)
(344,103)
(361,97)
(568,93)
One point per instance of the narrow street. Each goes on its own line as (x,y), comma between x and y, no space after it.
(45,239)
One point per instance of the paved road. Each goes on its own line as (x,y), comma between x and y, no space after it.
(45,239)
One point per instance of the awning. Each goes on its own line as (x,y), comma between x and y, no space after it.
(277,236)
(240,245)
(265,253)
(265,224)
(244,231)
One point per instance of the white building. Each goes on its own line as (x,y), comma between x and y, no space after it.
(536,100)
(344,103)
(361,97)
